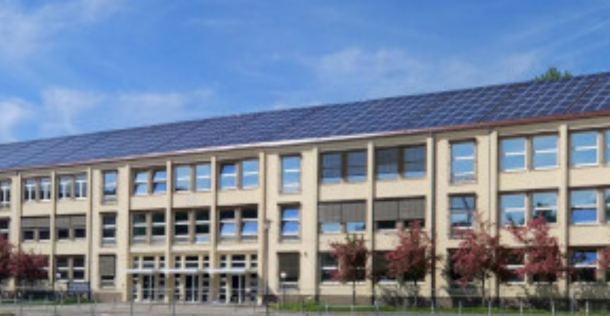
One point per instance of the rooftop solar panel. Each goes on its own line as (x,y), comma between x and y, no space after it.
(445,109)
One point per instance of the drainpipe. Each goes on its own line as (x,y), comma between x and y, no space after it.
(433,213)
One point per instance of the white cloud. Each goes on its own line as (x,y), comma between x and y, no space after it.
(26,31)
(14,112)
(62,106)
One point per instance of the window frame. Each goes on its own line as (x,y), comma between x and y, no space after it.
(108,241)
(453,228)
(453,175)
(524,153)
(574,149)
(109,184)
(243,174)
(5,193)
(535,152)
(290,236)
(188,178)
(523,209)
(290,187)
(584,206)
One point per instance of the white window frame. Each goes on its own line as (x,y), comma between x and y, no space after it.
(229,221)
(186,178)
(248,220)
(80,186)
(30,190)
(81,268)
(144,224)
(334,267)
(536,209)
(137,182)
(242,263)
(509,210)
(65,182)
(5,231)
(65,269)
(513,154)
(536,152)
(290,187)
(110,184)
(153,224)
(244,173)
(457,175)
(191,262)
(295,235)
(574,149)
(228,176)
(45,189)
(593,265)
(206,177)
(159,180)
(5,192)
(586,206)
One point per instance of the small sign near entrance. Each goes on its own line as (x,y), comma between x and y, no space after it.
(79,287)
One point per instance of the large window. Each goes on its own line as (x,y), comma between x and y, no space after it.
(544,204)
(583,148)
(544,149)
(238,224)
(203,177)
(289,267)
(290,222)
(70,268)
(64,187)
(68,187)
(399,213)
(108,229)
(159,181)
(462,161)
(5,193)
(461,212)
(29,190)
(584,263)
(338,217)
(249,223)
(249,173)
(228,176)
(583,205)
(110,184)
(242,174)
(513,209)
(513,154)
(148,227)
(71,227)
(44,192)
(328,267)
(35,229)
(228,225)
(182,178)
(202,226)
(291,174)
(343,166)
(140,183)
(150,181)
(158,227)
(408,162)
(515,262)
(80,186)
(192,226)
(139,228)
(181,226)
(107,267)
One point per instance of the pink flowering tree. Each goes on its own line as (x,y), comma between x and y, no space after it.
(351,256)
(28,268)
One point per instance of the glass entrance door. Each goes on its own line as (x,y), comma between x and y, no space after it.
(148,285)
(191,288)
(237,288)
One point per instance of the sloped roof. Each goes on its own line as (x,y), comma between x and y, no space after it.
(489,105)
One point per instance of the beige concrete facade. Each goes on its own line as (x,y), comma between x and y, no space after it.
(238,268)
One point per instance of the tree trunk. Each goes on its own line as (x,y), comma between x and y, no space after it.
(354,291)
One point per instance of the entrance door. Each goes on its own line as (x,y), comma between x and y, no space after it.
(148,284)
(237,288)
(191,288)
(205,287)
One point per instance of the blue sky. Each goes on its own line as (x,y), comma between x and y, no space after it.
(86,65)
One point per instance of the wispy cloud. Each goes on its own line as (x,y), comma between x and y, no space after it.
(14,112)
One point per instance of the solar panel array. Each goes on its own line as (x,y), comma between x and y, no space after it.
(416,112)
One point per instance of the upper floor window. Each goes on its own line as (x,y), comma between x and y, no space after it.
(80,189)
(290,222)
(249,223)
(228,176)
(148,227)
(110,184)
(159,181)
(544,150)
(463,161)
(72,186)
(29,190)
(583,206)
(583,148)
(462,208)
(238,224)
(35,229)
(70,227)
(338,217)
(409,162)
(5,193)
(240,174)
(346,166)
(37,189)
(394,214)
(203,180)
(150,181)
(584,263)
(513,153)
(291,174)
(544,205)
(140,183)
(192,177)
(192,226)
(249,173)
(4,228)
(513,209)
(182,178)
(108,229)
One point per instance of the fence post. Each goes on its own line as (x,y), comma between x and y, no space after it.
(376,308)
(352,308)
(520,307)
(131,304)
(404,306)
(553,308)
(460,307)
(587,308)
(326,309)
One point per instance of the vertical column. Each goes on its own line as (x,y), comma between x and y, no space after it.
(15,216)
(169,224)
(492,196)
(52,230)
(370,200)
(310,224)
(89,273)
(214,261)
(263,244)
(563,206)
(431,201)
(123,231)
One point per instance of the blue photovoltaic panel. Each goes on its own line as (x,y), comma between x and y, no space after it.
(596,99)
(542,98)
(465,106)
(494,103)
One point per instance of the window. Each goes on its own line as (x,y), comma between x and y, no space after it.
(80,190)
(583,148)
(513,209)
(139,231)
(70,268)
(140,184)
(44,189)
(29,190)
(78,268)
(159,181)
(108,229)
(584,263)
(228,176)
(544,204)
(462,211)
(328,267)
(607,203)
(291,174)
(356,166)
(249,225)
(191,262)
(238,261)
(4,228)
(110,185)
(340,217)
(513,154)
(202,177)
(249,173)
(158,226)
(202,226)
(70,227)
(63,268)
(35,228)
(228,225)
(182,180)
(290,222)
(607,145)
(64,189)
(387,163)
(583,206)
(395,213)
(331,168)
(181,226)
(515,262)
(289,267)
(462,162)
(544,151)
(414,158)
(5,193)
(107,266)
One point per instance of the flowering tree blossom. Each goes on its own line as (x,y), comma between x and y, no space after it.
(28,267)
(480,255)
(543,256)
(413,256)
(6,256)
(351,257)
(604,262)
